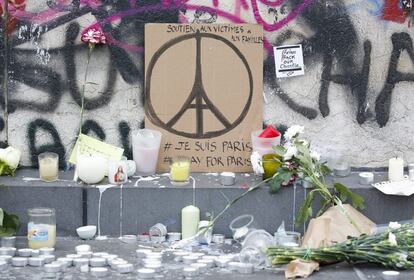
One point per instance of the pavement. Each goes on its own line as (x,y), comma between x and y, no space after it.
(67,245)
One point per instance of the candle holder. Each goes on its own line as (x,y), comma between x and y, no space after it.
(263,145)
(288,239)
(48,166)
(145,147)
(180,171)
(270,165)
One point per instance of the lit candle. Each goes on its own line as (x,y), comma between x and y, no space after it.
(190,217)
(48,166)
(396,169)
(180,171)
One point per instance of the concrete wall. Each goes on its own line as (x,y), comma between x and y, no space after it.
(355,98)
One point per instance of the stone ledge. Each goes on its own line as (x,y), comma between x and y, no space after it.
(158,201)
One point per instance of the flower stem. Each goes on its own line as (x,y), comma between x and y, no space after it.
(82,93)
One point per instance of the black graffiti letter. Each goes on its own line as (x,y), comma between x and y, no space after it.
(400,42)
(55,146)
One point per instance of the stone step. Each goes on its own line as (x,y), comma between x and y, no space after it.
(158,201)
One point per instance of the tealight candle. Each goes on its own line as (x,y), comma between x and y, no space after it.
(141,253)
(218,238)
(234,266)
(190,217)
(201,267)
(190,259)
(174,236)
(8,241)
(35,253)
(46,251)
(24,252)
(154,266)
(52,267)
(67,261)
(180,171)
(190,272)
(7,251)
(82,248)
(125,268)
(227,178)
(48,166)
(19,261)
(47,258)
(80,261)
(7,259)
(99,271)
(3,265)
(222,262)
(36,261)
(245,268)
(396,169)
(97,262)
(366,178)
(146,273)
(87,255)
(207,262)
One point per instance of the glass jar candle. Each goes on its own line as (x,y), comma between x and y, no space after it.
(270,165)
(41,229)
(48,166)
(180,171)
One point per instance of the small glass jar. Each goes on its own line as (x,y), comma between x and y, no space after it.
(180,171)
(270,165)
(288,239)
(48,166)
(41,229)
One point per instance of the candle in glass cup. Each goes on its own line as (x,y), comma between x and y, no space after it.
(180,171)
(48,166)
(270,165)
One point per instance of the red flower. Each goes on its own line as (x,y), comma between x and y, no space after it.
(93,36)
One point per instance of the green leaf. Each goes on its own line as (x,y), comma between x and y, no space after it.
(275,185)
(305,211)
(345,194)
(11,225)
(1,217)
(5,169)
(280,150)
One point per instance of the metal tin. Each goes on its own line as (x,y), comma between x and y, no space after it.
(9,241)
(99,271)
(125,268)
(36,261)
(218,238)
(24,252)
(146,273)
(97,262)
(52,267)
(19,261)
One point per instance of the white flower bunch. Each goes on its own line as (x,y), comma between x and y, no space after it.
(293,132)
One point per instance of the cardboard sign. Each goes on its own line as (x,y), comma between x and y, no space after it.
(289,61)
(203,92)
(92,146)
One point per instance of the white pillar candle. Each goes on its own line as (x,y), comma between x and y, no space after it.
(190,217)
(396,169)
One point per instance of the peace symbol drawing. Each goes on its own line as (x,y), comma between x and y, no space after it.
(206,110)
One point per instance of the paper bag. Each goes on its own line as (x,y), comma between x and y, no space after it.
(335,226)
(300,268)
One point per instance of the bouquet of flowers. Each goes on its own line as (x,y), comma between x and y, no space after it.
(299,162)
(9,161)
(393,248)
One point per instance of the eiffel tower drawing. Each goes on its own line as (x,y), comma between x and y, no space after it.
(198,99)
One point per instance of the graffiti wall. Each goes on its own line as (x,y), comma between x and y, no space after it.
(356,96)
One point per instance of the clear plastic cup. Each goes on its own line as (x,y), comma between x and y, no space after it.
(263,145)
(145,147)
(254,247)
(242,226)
(288,239)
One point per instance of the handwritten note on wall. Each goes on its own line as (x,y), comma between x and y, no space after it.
(203,92)
(289,61)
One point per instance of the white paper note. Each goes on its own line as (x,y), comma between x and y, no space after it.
(289,61)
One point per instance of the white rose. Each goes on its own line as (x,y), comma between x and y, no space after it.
(291,151)
(256,161)
(394,225)
(3,154)
(392,239)
(293,131)
(11,157)
(315,155)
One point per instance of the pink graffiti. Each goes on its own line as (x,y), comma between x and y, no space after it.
(169,5)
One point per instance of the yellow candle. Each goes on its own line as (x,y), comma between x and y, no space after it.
(48,166)
(190,217)
(41,236)
(180,171)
